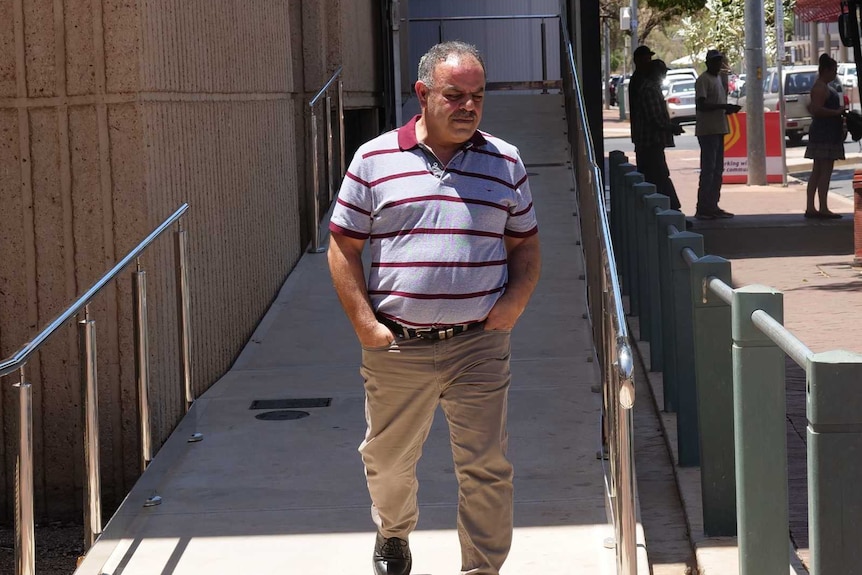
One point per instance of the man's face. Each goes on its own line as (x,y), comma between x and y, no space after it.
(452,108)
(713,65)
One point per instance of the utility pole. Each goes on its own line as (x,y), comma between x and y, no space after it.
(754,64)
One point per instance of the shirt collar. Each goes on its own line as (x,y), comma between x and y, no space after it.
(407,136)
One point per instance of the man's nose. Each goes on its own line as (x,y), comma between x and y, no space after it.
(468,103)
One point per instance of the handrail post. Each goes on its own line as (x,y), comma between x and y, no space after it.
(342,166)
(330,175)
(653,204)
(760,435)
(630,264)
(626,518)
(315,180)
(714,384)
(90,401)
(669,378)
(25,525)
(544,60)
(183,315)
(686,414)
(641,290)
(142,361)
(834,467)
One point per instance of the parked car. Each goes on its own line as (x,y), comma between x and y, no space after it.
(681,101)
(677,75)
(612,88)
(797,81)
(847,75)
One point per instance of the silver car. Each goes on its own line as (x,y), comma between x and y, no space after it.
(681,101)
(798,81)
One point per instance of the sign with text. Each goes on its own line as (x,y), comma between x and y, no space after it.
(736,149)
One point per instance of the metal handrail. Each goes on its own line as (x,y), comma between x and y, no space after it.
(610,331)
(315,164)
(462,18)
(326,86)
(25,550)
(19,358)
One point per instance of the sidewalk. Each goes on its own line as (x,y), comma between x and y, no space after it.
(822,307)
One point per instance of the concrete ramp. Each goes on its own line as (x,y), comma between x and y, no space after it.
(288,496)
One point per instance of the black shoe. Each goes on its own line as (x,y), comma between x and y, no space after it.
(392,556)
(719,213)
(704,216)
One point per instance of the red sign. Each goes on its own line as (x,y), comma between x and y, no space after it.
(736,149)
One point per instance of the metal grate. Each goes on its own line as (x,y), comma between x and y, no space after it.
(296,403)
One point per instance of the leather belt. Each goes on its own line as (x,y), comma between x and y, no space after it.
(435,333)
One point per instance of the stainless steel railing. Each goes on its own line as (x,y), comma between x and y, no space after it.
(324,96)
(25,551)
(605,306)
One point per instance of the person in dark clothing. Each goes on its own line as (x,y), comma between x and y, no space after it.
(654,132)
(642,57)
(825,138)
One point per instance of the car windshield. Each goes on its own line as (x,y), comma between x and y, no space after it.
(682,87)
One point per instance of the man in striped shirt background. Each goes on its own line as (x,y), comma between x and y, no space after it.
(447,213)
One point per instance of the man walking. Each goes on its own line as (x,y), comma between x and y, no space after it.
(641,58)
(455,257)
(711,126)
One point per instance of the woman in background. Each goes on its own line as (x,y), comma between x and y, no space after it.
(825,138)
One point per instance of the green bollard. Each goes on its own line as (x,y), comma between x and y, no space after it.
(664,220)
(714,384)
(630,268)
(835,462)
(654,204)
(640,291)
(615,159)
(759,435)
(622,203)
(686,393)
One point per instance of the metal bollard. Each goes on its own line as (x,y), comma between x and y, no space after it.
(627,180)
(653,204)
(759,436)
(615,159)
(640,290)
(714,384)
(664,220)
(834,462)
(686,393)
(630,271)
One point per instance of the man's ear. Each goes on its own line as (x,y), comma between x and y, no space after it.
(421,92)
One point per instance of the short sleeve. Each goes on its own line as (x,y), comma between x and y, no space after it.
(522,217)
(351,215)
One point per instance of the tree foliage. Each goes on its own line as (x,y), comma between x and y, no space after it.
(720,25)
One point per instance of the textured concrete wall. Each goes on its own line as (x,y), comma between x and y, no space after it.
(113,113)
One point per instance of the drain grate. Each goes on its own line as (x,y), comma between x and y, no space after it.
(282,415)
(296,403)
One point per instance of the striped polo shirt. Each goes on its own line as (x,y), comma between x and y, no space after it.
(436,234)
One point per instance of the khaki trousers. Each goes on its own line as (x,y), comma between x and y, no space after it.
(468,375)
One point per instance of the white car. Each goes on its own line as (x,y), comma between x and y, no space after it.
(847,75)
(681,101)
(677,75)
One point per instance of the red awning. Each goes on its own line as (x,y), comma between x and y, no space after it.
(818,10)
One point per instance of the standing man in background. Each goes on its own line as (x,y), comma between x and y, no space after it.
(455,257)
(642,57)
(711,126)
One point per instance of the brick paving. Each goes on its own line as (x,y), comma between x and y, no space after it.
(822,293)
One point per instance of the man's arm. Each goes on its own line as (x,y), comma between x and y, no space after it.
(348,278)
(524,263)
